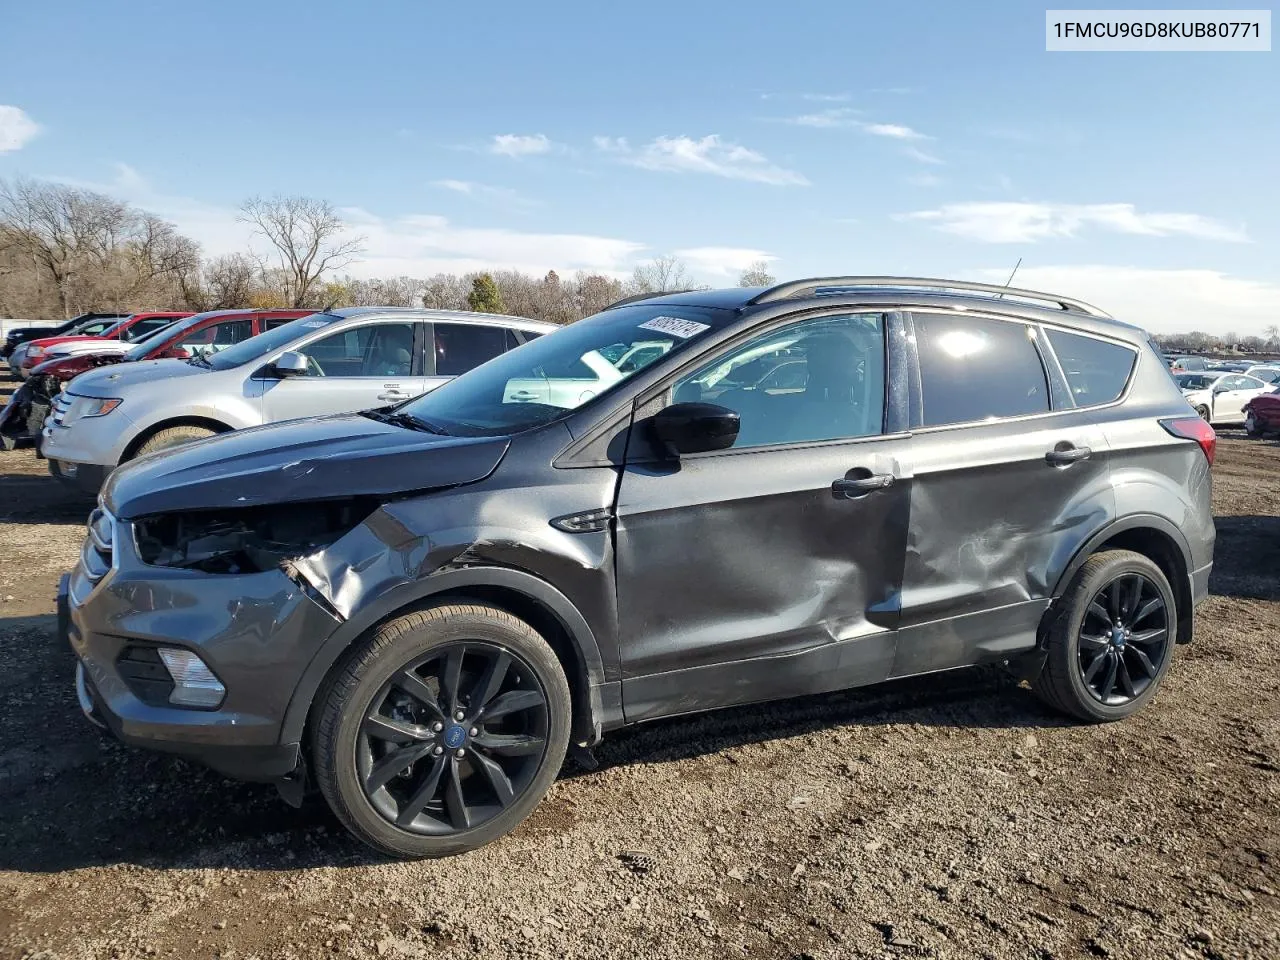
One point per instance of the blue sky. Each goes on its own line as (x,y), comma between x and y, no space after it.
(907,138)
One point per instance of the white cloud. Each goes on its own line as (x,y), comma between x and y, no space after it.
(611,144)
(1160,301)
(707,154)
(722,261)
(924,180)
(1028,222)
(826,97)
(827,119)
(518,145)
(412,245)
(895,130)
(16,128)
(485,193)
(915,153)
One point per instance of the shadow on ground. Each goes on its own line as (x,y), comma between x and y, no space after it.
(72,797)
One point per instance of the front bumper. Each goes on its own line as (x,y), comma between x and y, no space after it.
(257,632)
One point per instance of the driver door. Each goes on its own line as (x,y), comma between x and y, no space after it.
(1230,394)
(360,367)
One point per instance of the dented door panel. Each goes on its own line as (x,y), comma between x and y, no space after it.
(993,525)
(749,563)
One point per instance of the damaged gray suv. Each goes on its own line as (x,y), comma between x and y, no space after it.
(684,502)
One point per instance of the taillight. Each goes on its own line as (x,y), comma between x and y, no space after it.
(1194,428)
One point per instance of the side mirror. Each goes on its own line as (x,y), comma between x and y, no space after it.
(696,427)
(290,364)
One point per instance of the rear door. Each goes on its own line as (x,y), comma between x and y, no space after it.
(459,347)
(772,568)
(1008,474)
(362,366)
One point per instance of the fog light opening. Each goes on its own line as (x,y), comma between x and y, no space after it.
(194,684)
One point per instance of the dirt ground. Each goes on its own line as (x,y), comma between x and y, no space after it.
(950,817)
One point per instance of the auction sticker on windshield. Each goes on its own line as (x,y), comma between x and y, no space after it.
(677,327)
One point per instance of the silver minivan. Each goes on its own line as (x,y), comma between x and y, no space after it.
(334,362)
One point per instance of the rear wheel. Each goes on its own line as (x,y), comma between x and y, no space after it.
(174,437)
(1204,412)
(1112,641)
(443,731)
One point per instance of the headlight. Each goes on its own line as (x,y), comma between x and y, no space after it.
(35,352)
(89,407)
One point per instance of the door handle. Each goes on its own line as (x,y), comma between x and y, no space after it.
(393,395)
(1067,455)
(847,489)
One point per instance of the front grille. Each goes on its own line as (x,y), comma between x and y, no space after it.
(61,404)
(145,675)
(98,546)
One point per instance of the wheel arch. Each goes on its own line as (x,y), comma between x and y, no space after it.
(1153,537)
(596,703)
(134,445)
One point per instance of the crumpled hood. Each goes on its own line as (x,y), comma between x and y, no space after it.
(110,381)
(314,459)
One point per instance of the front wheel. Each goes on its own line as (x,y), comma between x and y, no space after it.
(174,437)
(1112,641)
(1251,426)
(443,731)
(1204,412)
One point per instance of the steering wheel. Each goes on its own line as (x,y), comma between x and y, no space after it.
(314,369)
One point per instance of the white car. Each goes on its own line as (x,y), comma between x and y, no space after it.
(1265,372)
(337,361)
(1218,396)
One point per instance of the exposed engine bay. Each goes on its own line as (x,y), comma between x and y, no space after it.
(247,540)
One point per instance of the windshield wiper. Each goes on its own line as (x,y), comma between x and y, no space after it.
(200,360)
(406,420)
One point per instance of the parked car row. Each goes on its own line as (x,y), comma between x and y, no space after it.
(522,541)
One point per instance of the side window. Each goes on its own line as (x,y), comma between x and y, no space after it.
(463,346)
(144,328)
(215,337)
(373,350)
(1096,370)
(974,369)
(270,323)
(815,380)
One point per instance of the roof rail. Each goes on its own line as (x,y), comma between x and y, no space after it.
(799,288)
(636,298)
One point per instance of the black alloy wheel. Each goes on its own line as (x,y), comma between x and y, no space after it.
(453,739)
(1122,639)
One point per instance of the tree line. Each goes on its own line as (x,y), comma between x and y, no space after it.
(66,250)
(1200,342)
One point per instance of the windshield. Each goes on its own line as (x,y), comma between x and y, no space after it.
(1195,381)
(545,379)
(255,348)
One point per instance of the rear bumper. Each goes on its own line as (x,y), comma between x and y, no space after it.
(1200,584)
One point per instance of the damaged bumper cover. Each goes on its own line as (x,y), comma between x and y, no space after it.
(256,632)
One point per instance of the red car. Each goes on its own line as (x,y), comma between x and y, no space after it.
(1262,415)
(132,328)
(200,333)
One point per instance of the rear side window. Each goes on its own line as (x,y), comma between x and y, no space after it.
(1096,370)
(462,346)
(974,369)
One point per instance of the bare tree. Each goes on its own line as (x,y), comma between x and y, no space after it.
(308,237)
(757,275)
(1273,334)
(662,274)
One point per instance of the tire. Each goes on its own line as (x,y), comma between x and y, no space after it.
(1251,425)
(365,691)
(1077,637)
(1203,411)
(174,437)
